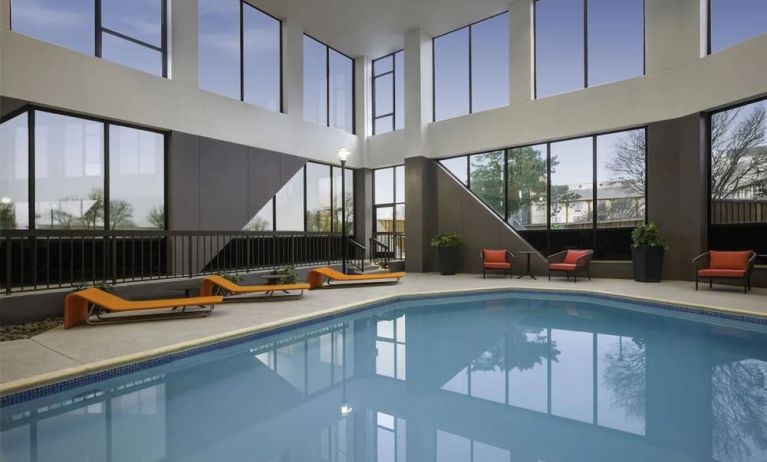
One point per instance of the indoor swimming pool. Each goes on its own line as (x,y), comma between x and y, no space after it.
(493,377)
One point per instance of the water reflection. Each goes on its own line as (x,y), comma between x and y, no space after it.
(451,381)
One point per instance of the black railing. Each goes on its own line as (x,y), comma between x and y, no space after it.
(387,246)
(357,255)
(46,259)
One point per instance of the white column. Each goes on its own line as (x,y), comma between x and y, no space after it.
(675,33)
(183,46)
(418,91)
(362,102)
(293,69)
(521,53)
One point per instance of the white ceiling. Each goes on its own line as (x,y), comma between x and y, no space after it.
(376,27)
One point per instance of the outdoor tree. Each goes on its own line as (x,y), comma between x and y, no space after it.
(527,182)
(7,216)
(487,180)
(628,166)
(156,217)
(739,152)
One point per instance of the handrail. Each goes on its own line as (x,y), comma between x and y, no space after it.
(357,262)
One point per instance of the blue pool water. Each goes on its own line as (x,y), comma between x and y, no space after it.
(484,378)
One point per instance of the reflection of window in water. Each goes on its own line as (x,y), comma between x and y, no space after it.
(336,442)
(454,448)
(312,361)
(561,372)
(390,438)
(739,408)
(390,348)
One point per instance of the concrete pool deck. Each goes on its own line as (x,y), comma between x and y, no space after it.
(58,353)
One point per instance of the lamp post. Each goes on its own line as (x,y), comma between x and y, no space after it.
(343,154)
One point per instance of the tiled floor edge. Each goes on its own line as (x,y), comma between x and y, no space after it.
(49,378)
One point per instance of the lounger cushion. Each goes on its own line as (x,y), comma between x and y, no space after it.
(721,273)
(214,280)
(729,260)
(493,256)
(316,276)
(573,256)
(562,266)
(492,265)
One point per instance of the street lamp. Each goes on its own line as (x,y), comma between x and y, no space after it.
(343,155)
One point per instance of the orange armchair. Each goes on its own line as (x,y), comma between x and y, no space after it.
(496,260)
(717,264)
(571,261)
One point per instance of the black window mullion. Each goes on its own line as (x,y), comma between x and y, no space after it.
(97,27)
(594,192)
(548,197)
(106,177)
(242,51)
(31,168)
(327,85)
(130,39)
(164,37)
(585,43)
(393,90)
(471,58)
(505,170)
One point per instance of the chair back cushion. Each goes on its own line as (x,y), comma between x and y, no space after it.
(494,256)
(737,260)
(573,256)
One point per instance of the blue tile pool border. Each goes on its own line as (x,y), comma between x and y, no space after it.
(113,372)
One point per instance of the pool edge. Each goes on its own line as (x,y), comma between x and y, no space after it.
(48,378)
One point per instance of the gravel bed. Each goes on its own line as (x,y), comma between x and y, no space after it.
(29,329)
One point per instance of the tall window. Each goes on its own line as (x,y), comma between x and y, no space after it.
(240,52)
(738,163)
(733,21)
(389,199)
(130,33)
(547,192)
(328,86)
(310,201)
(389,93)
(74,186)
(471,68)
(583,43)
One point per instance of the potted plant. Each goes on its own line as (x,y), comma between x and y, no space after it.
(447,245)
(288,273)
(647,249)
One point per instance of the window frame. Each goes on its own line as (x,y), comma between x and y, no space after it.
(594,180)
(393,204)
(31,110)
(470,66)
(393,73)
(327,85)
(585,50)
(100,30)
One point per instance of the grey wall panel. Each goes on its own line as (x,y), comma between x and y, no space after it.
(262,182)
(223,185)
(289,165)
(184,182)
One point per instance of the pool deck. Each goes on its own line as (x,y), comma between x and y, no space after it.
(59,353)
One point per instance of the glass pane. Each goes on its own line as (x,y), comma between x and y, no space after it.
(571,183)
(261,53)
(529,355)
(341,89)
(136,178)
(263,220)
(399,90)
(139,417)
(131,54)
(290,204)
(621,179)
(382,125)
(69,172)
(384,184)
(315,81)
(451,74)
(622,383)
(490,63)
(527,187)
(382,65)
(349,201)
(733,21)
(616,40)
(88,424)
(558,46)
(14,176)
(138,19)
(384,95)
(68,24)
(572,375)
(399,183)
(384,219)
(458,166)
(487,178)
(317,197)
(739,165)
(291,364)
(385,358)
(399,225)
(219,47)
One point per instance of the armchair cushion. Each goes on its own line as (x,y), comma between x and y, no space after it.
(737,260)
(493,265)
(494,256)
(721,273)
(573,256)
(562,266)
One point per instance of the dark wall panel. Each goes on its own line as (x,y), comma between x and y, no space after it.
(184,182)
(223,185)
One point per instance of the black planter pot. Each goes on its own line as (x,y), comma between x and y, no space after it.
(448,260)
(648,263)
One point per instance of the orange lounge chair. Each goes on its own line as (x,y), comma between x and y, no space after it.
(218,285)
(318,276)
(80,307)
(571,261)
(496,260)
(718,264)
